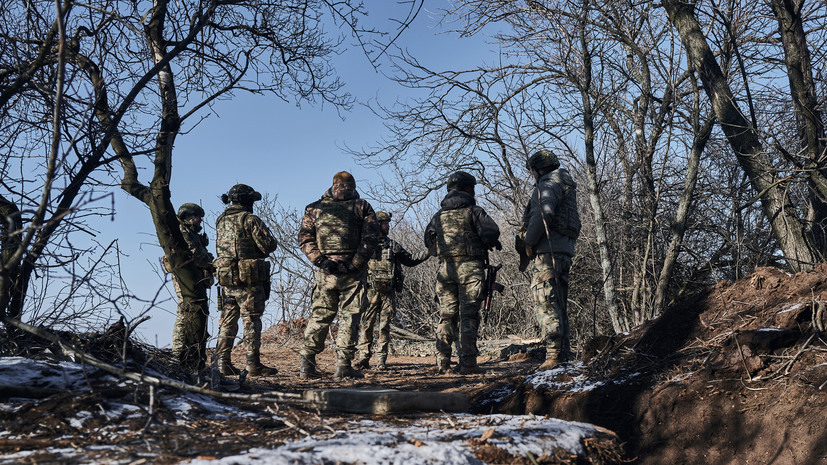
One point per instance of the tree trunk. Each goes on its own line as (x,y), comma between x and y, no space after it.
(609,291)
(786,226)
(679,226)
(807,110)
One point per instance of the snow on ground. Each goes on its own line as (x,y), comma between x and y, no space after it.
(441,439)
(571,377)
(20,371)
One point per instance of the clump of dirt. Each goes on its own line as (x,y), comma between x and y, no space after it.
(734,374)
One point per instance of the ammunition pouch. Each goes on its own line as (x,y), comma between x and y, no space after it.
(226,271)
(253,270)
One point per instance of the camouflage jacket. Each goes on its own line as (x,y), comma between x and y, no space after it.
(356,231)
(398,256)
(556,197)
(240,234)
(197,244)
(461,228)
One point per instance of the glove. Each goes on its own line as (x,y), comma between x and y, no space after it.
(420,257)
(497,245)
(519,243)
(327,265)
(349,268)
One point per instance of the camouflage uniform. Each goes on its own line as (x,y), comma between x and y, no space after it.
(338,234)
(243,243)
(189,333)
(385,279)
(460,234)
(552,210)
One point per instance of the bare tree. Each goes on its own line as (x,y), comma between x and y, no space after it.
(116,82)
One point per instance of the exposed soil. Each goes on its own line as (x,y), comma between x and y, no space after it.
(735,374)
(732,375)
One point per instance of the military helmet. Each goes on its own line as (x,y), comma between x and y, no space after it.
(241,193)
(383,217)
(188,211)
(544,159)
(460,179)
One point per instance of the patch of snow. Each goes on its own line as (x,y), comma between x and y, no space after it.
(21,371)
(82,416)
(579,382)
(434,440)
(789,309)
(768,329)
(499,395)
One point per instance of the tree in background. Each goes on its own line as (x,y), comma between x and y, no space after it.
(115,83)
(607,85)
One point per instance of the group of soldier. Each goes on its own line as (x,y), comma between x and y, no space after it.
(358,272)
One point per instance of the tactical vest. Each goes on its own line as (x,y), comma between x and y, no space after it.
(233,240)
(338,227)
(380,269)
(456,236)
(566,219)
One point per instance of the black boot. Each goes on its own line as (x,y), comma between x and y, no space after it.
(362,362)
(255,368)
(469,367)
(308,368)
(344,370)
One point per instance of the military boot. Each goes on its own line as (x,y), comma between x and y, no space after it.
(553,358)
(255,368)
(308,368)
(443,365)
(223,350)
(380,363)
(469,367)
(344,370)
(362,362)
(226,367)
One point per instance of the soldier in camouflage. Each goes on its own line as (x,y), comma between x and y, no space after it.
(189,334)
(243,243)
(460,234)
(385,279)
(551,225)
(338,235)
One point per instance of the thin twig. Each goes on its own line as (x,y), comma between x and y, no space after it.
(271,396)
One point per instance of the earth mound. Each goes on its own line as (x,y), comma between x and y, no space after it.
(734,374)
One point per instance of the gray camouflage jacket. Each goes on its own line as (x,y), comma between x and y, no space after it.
(547,197)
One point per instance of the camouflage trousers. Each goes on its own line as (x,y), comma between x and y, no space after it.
(246,303)
(379,307)
(331,295)
(189,333)
(459,287)
(550,300)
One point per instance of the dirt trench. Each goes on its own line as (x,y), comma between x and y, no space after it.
(732,375)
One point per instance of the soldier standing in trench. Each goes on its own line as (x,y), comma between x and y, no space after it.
(243,244)
(385,279)
(460,234)
(189,333)
(338,234)
(551,225)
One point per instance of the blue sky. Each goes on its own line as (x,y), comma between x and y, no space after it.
(276,147)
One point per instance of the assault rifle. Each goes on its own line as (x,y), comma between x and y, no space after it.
(491,285)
